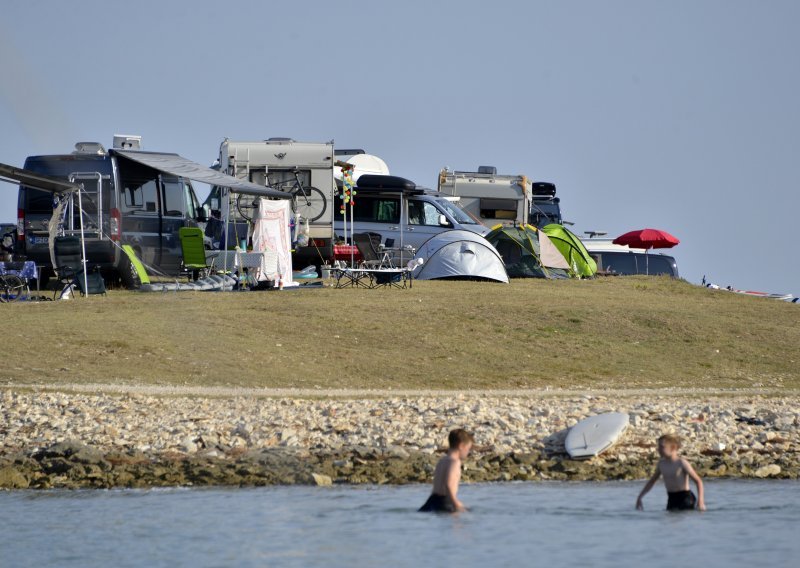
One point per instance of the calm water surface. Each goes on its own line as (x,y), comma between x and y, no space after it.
(749,523)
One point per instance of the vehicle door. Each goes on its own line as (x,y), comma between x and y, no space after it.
(173,217)
(375,214)
(140,216)
(425,220)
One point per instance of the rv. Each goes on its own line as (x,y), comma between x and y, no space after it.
(502,199)
(304,170)
(126,199)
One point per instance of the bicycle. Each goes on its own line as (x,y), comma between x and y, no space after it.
(307,201)
(13,288)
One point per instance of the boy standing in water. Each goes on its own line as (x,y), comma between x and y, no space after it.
(444,498)
(676,472)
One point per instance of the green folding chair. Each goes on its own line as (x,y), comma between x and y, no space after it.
(194,251)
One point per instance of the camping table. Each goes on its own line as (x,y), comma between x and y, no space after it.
(372,277)
(266,260)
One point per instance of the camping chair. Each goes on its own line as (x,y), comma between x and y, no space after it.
(193,250)
(69,268)
(369,247)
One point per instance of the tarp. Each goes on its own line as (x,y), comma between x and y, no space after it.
(180,166)
(579,259)
(522,249)
(271,232)
(459,254)
(35,180)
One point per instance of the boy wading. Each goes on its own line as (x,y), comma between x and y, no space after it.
(447,475)
(676,472)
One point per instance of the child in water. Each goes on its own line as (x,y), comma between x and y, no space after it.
(676,472)
(444,498)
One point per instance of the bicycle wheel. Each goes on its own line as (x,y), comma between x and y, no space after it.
(13,288)
(245,206)
(310,203)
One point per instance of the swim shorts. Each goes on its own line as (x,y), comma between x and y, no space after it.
(438,504)
(681,501)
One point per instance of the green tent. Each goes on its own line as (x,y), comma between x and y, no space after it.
(579,259)
(519,247)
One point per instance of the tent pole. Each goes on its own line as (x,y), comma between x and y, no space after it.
(225,236)
(83,246)
(402,207)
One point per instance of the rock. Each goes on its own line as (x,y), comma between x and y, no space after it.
(11,478)
(770,470)
(321,480)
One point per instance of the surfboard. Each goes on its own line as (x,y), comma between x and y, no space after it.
(594,435)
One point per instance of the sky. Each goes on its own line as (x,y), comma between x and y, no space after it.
(682,116)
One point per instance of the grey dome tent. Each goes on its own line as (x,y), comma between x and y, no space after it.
(459,254)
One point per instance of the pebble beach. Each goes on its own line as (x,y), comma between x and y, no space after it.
(68,439)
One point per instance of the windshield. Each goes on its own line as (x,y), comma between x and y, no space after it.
(456,212)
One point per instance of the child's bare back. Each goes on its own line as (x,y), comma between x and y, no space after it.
(447,475)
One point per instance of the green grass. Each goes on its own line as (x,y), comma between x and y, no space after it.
(607,333)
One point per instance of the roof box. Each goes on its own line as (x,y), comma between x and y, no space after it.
(373,181)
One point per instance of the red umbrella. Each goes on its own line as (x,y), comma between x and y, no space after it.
(647,239)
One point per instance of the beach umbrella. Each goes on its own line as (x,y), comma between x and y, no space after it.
(647,239)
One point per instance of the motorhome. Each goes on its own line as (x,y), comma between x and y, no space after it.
(402,213)
(128,197)
(302,169)
(619,260)
(494,198)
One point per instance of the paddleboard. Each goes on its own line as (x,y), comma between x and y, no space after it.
(594,435)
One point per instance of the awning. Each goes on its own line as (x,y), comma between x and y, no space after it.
(180,166)
(35,180)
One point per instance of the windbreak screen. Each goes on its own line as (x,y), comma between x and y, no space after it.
(180,166)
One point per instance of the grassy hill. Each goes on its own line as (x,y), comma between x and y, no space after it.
(606,333)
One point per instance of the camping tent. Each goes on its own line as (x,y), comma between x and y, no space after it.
(459,254)
(519,246)
(579,259)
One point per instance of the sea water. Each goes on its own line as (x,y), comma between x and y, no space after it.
(748,523)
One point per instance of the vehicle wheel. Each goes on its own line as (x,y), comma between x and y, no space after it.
(245,205)
(128,274)
(310,203)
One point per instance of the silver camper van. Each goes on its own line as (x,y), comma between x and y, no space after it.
(403,213)
(302,169)
(495,199)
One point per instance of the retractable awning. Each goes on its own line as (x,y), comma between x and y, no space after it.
(28,178)
(180,166)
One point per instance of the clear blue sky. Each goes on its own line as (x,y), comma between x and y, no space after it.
(679,115)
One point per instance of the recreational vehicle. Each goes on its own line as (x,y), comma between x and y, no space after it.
(302,170)
(502,199)
(619,260)
(128,197)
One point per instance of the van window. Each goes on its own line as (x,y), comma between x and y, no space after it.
(191,205)
(38,201)
(141,195)
(499,208)
(422,213)
(376,209)
(173,197)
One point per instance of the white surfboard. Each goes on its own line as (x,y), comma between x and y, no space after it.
(594,435)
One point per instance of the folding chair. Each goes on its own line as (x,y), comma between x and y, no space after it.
(193,250)
(369,247)
(69,268)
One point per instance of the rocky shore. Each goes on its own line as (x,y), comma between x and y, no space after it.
(55,439)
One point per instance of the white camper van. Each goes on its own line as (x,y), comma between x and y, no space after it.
(303,169)
(494,198)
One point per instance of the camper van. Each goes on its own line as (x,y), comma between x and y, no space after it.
(302,169)
(402,213)
(124,201)
(619,260)
(502,199)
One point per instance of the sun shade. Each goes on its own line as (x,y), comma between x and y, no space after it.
(35,180)
(180,166)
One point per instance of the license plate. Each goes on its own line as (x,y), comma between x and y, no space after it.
(40,240)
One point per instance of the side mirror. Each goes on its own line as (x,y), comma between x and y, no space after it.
(202,216)
(443,222)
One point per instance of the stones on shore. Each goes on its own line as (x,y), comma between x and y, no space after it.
(73,440)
